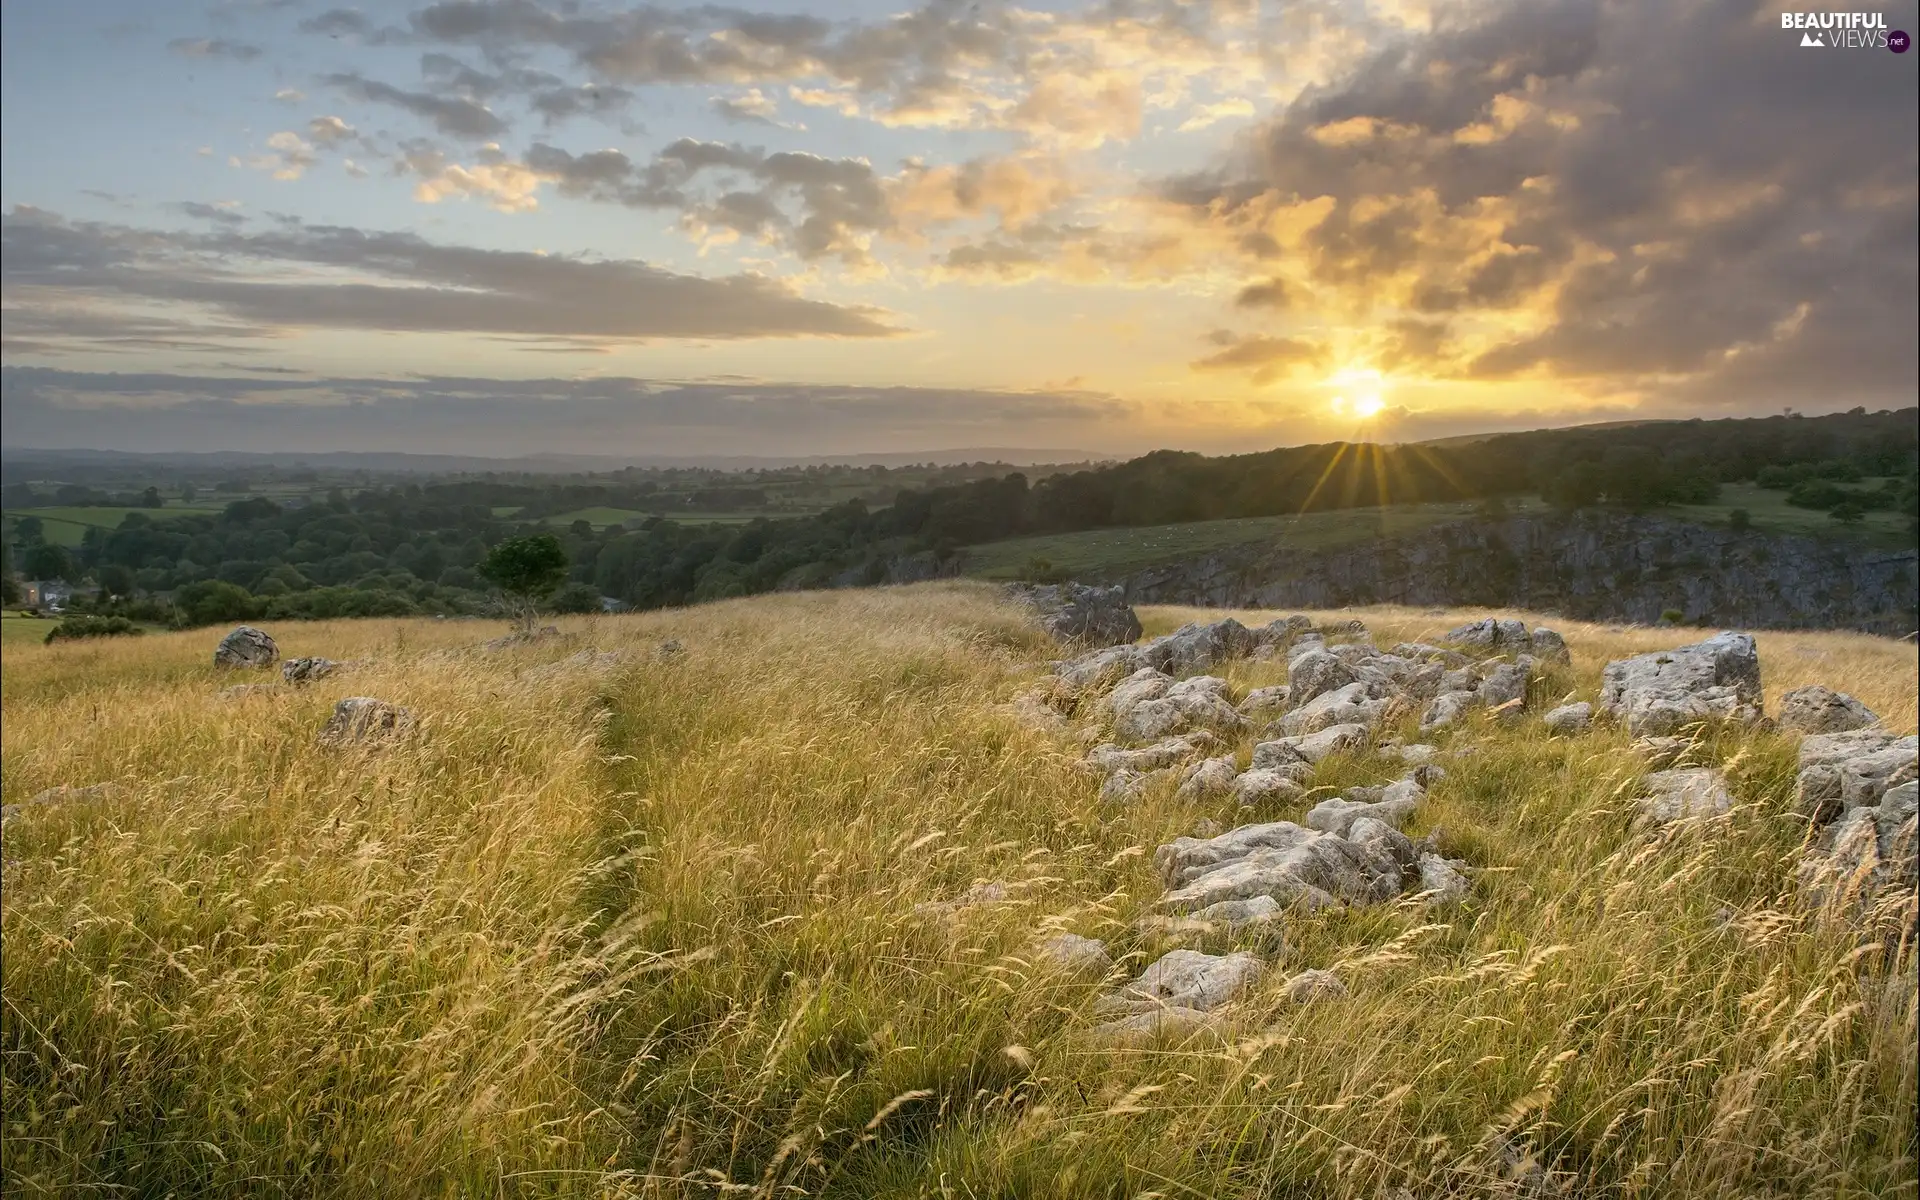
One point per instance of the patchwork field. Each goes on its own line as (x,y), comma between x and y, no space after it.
(1770,513)
(649,922)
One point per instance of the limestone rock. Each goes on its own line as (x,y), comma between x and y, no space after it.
(1309,987)
(1718,679)
(363,719)
(307,670)
(1870,849)
(1264,701)
(1282,860)
(1335,739)
(1491,633)
(1198,703)
(1448,708)
(1207,778)
(1441,879)
(1844,771)
(246,648)
(1550,646)
(1506,683)
(1239,914)
(1108,758)
(1349,705)
(1160,1024)
(977,896)
(1316,672)
(1685,792)
(1337,815)
(1197,647)
(1099,667)
(1075,612)
(1071,952)
(1817,709)
(1188,979)
(1569,718)
(1267,784)
(245,691)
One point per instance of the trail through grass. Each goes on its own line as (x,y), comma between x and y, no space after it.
(649,930)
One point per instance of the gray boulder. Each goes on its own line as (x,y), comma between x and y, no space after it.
(1718,679)
(1442,880)
(1282,860)
(1108,758)
(1187,979)
(1312,986)
(1817,709)
(1198,703)
(1196,647)
(1266,701)
(1869,850)
(1337,815)
(1840,772)
(1550,646)
(1684,793)
(1349,705)
(1099,667)
(1569,718)
(307,670)
(363,719)
(1448,708)
(1315,673)
(1169,1024)
(246,649)
(1238,914)
(1077,613)
(1268,784)
(1491,633)
(1208,778)
(1073,953)
(1506,683)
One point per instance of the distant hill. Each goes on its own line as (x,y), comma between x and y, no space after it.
(546,464)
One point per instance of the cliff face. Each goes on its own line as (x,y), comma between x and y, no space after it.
(1587,565)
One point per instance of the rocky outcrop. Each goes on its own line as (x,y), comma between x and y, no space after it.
(363,720)
(1082,615)
(1817,709)
(246,649)
(307,670)
(1594,565)
(1718,679)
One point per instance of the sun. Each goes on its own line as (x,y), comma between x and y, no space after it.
(1368,407)
(1362,392)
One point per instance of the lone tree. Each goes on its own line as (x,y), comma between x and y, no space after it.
(526,569)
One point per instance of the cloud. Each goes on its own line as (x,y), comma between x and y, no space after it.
(641,417)
(214,48)
(1267,357)
(297,276)
(455,116)
(1544,191)
(751,107)
(287,158)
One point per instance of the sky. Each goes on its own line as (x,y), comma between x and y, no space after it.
(507,227)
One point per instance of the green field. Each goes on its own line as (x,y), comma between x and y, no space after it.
(66,525)
(1111,551)
(16,628)
(1772,514)
(601,516)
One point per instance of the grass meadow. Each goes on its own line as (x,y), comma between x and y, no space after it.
(649,931)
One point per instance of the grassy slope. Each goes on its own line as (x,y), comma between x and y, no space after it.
(1115,551)
(652,934)
(16,629)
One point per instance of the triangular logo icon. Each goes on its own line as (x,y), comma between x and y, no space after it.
(1812,39)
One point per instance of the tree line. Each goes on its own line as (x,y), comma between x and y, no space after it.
(418,547)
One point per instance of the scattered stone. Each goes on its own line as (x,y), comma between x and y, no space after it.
(1282,630)
(1315,673)
(1869,850)
(1349,705)
(1239,914)
(365,719)
(1448,708)
(1264,700)
(1718,679)
(1416,754)
(1187,979)
(1685,793)
(1569,718)
(1550,646)
(1492,633)
(1292,864)
(1442,879)
(1150,705)
(1817,709)
(668,650)
(1337,815)
(1032,710)
(246,648)
(1207,827)
(1075,612)
(1126,785)
(1071,952)
(1108,758)
(1196,647)
(1208,778)
(1160,1024)
(1661,752)
(307,670)
(1840,772)
(1311,986)
(1266,784)
(1335,739)
(1506,683)
(1100,667)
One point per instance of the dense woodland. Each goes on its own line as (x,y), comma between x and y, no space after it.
(388,548)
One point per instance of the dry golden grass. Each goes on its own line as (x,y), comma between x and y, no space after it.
(651,932)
